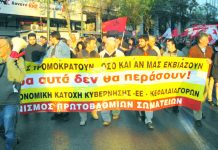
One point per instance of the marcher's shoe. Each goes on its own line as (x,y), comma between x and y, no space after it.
(2,132)
(138,116)
(211,103)
(150,126)
(82,123)
(203,116)
(2,135)
(94,115)
(18,140)
(106,123)
(198,123)
(64,117)
(116,117)
(175,110)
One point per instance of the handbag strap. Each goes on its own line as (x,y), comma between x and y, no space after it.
(3,70)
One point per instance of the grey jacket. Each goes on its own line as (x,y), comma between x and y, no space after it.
(61,50)
(140,52)
(10,91)
(177,53)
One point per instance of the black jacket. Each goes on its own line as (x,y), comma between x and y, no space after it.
(215,68)
(34,53)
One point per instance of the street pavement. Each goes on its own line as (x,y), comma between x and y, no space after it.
(172,132)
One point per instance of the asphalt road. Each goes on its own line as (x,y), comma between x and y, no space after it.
(172,132)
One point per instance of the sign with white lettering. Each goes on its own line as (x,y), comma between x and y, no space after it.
(127,83)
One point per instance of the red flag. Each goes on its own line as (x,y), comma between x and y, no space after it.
(209,29)
(185,33)
(175,32)
(118,24)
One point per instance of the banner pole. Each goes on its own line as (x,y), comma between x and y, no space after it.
(122,38)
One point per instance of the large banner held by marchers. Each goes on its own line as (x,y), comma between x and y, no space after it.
(127,83)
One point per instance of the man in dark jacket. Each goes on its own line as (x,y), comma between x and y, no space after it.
(215,73)
(144,50)
(202,50)
(88,52)
(172,51)
(59,49)
(12,72)
(34,52)
(44,42)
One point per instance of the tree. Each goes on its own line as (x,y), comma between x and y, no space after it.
(110,9)
(183,12)
(147,16)
(66,14)
(161,10)
(137,11)
(192,5)
(178,12)
(211,12)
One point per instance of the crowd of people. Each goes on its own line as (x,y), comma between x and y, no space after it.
(91,47)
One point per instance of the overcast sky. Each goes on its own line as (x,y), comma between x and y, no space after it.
(212,2)
(209,1)
(201,1)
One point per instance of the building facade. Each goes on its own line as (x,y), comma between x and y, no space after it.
(19,15)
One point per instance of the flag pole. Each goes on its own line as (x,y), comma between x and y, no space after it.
(123,34)
(122,38)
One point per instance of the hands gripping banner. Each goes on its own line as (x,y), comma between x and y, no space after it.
(130,83)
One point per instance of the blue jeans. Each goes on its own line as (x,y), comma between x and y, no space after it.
(8,118)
